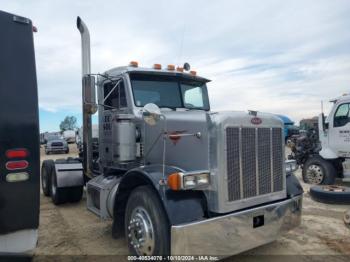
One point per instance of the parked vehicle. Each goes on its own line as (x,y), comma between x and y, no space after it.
(330,158)
(56,145)
(176,177)
(44,137)
(309,124)
(19,137)
(290,128)
(69,136)
(79,137)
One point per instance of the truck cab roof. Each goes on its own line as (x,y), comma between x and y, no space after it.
(127,69)
(345,97)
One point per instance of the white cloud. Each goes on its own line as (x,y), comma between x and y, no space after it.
(274,56)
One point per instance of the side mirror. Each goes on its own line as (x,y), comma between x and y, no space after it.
(324,124)
(89,95)
(151,114)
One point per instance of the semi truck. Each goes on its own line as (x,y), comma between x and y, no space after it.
(176,177)
(325,155)
(19,137)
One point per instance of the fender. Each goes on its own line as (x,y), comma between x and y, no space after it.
(69,173)
(327,153)
(176,203)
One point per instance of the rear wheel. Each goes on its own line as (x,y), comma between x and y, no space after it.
(318,171)
(58,195)
(46,170)
(146,225)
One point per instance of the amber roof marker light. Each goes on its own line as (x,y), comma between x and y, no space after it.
(134,64)
(157,66)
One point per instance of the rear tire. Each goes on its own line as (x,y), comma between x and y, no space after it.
(58,195)
(146,225)
(319,171)
(46,170)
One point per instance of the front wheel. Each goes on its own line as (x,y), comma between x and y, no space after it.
(319,171)
(146,224)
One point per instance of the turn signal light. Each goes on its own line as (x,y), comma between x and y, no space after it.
(17,153)
(171,67)
(134,64)
(193,73)
(179,69)
(157,66)
(174,181)
(14,165)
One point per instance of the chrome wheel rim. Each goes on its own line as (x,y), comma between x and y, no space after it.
(314,174)
(141,232)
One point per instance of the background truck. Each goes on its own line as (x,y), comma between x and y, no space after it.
(19,136)
(324,154)
(69,136)
(290,128)
(176,177)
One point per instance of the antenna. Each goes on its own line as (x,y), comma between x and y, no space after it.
(322,106)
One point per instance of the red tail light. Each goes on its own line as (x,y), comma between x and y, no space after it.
(17,153)
(13,165)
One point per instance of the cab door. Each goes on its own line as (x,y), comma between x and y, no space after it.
(339,130)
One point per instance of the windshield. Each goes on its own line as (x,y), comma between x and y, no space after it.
(53,137)
(169,91)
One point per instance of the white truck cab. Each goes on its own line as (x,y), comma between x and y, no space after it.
(335,132)
(333,160)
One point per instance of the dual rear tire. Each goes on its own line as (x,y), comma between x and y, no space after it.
(59,195)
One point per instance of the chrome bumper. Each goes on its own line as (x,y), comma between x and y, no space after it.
(234,233)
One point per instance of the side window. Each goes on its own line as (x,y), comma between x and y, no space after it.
(341,116)
(192,96)
(114,95)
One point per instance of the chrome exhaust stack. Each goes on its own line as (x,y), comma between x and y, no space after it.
(88,95)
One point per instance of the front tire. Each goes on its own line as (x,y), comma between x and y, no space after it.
(146,225)
(319,171)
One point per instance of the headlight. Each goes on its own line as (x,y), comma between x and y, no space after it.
(291,166)
(183,181)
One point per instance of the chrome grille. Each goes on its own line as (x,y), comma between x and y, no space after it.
(248,162)
(277,159)
(233,165)
(254,161)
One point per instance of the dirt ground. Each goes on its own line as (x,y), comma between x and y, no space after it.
(71,229)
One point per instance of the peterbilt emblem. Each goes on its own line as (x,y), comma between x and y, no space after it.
(256,121)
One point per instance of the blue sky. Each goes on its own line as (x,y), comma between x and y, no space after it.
(273,56)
